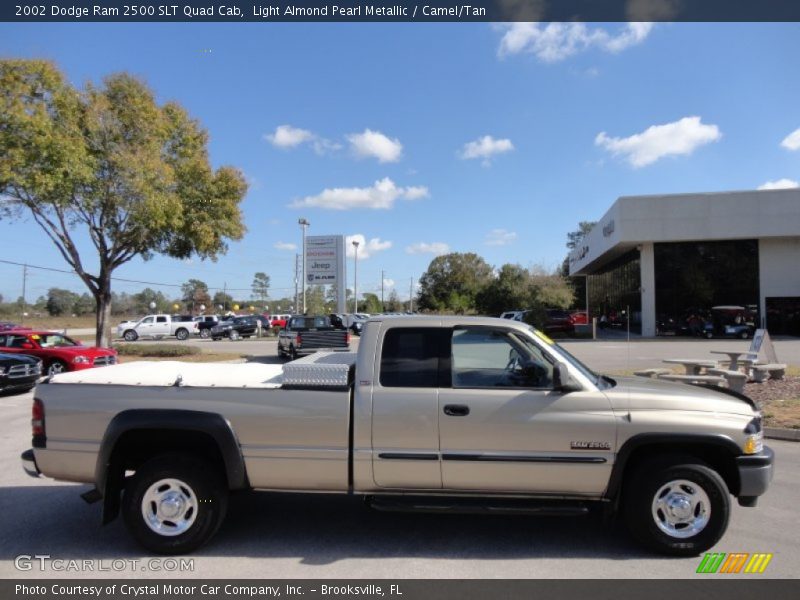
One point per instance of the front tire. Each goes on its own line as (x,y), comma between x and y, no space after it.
(174,503)
(56,367)
(233,335)
(182,334)
(130,336)
(205,334)
(678,509)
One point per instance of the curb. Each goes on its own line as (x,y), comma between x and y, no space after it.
(779,433)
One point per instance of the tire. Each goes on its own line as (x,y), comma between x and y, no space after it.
(709,335)
(744,335)
(680,508)
(205,334)
(189,488)
(182,334)
(130,336)
(233,335)
(56,367)
(292,353)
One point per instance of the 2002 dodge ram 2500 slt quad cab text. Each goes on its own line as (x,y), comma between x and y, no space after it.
(433,413)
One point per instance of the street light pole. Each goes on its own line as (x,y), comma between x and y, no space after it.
(355,280)
(304,224)
(383,279)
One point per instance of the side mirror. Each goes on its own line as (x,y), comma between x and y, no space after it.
(563,381)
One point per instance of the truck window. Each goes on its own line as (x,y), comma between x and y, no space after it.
(410,357)
(486,357)
(161,319)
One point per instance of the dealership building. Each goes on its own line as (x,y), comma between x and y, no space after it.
(665,256)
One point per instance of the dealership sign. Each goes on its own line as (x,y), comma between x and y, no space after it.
(325,259)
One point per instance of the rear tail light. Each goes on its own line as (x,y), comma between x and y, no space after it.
(347,338)
(298,340)
(37,424)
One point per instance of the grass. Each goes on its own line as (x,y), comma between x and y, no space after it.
(58,323)
(782,413)
(156,350)
(203,357)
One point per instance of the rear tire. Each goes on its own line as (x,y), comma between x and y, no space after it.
(205,333)
(677,508)
(57,367)
(174,503)
(182,334)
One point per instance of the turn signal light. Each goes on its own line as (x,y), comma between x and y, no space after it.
(753,444)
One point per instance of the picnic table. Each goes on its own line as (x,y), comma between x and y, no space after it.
(734,356)
(693,366)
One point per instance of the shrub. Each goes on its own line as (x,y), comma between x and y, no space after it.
(156,350)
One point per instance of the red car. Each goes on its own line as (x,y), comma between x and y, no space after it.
(58,352)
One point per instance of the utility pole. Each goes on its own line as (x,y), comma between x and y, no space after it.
(383,306)
(304,224)
(296,279)
(411,296)
(24,285)
(224,296)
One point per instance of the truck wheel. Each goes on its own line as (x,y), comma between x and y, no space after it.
(205,333)
(174,504)
(130,336)
(292,353)
(182,334)
(233,335)
(56,367)
(680,509)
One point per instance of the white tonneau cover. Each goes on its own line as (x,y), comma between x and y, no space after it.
(166,373)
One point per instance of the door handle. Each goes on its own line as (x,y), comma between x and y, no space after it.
(456,410)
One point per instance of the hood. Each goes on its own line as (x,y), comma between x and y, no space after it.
(84,350)
(18,359)
(640,393)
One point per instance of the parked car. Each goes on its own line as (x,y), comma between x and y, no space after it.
(19,372)
(158,326)
(8,325)
(235,328)
(351,322)
(514,315)
(458,414)
(579,317)
(278,320)
(308,334)
(58,352)
(205,323)
(734,321)
(558,321)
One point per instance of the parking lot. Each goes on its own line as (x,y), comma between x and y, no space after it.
(315,536)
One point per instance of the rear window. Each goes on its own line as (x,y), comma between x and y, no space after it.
(410,357)
(305,323)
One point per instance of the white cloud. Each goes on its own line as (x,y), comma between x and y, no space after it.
(389,283)
(381,195)
(557,41)
(375,144)
(285,246)
(500,237)
(671,139)
(365,248)
(792,141)
(286,136)
(486,147)
(780,184)
(437,248)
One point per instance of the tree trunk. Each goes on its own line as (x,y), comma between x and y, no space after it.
(103,316)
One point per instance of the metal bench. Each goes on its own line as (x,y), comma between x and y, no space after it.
(735,379)
(715,379)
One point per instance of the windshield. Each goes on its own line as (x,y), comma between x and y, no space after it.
(585,371)
(53,340)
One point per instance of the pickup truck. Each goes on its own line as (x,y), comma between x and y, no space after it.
(306,334)
(158,326)
(460,414)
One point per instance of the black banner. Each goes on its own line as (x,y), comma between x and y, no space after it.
(732,588)
(399,10)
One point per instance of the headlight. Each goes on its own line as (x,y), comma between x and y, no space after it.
(81,360)
(754,442)
(2,370)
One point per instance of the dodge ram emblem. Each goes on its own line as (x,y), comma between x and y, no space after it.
(590,445)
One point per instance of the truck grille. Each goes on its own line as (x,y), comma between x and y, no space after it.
(19,371)
(103,361)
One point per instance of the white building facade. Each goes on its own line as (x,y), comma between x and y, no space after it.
(663,256)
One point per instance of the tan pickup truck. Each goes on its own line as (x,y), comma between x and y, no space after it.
(433,413)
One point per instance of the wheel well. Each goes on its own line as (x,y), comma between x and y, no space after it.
(717,458)
(137,446)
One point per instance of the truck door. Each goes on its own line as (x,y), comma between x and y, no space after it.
(146,327)
(503,427)
(405,419)
(161,326)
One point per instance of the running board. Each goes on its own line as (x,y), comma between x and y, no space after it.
(473,506)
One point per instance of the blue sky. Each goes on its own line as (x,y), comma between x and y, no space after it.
(467,137)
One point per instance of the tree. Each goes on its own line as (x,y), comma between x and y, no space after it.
(452,281)
(195,294)
(60,302)
(260,286)
(510,290)
(574,238)
(370,303)
(222,299)
(393,304)
(142,301)
(109,163)
(315,300)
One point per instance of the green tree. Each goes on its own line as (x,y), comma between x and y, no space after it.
(109,163)
(222,299)
(141,302)
(393,303)
(511,289)
(195,294)
(84,304)
(260,286)
(370,303)
(315,300)
(60,302)
(452,281)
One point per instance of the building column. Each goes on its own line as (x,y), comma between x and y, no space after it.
(647,266)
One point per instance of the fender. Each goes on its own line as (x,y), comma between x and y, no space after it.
(672,439)
(212,424)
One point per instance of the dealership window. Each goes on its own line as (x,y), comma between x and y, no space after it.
(614,292)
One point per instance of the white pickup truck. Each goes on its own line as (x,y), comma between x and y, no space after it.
(158,326)
(434,413)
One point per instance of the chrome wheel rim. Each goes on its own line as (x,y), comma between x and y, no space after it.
(204,333)
(55,369)
(681,508)
(169,507)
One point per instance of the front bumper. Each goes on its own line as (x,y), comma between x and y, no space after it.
(29,463)
(755,475)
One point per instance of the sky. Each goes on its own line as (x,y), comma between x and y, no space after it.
(432,138)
